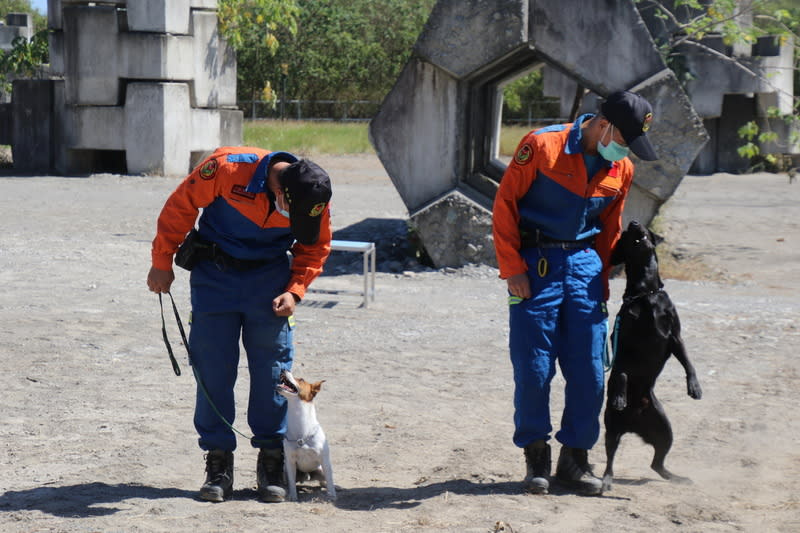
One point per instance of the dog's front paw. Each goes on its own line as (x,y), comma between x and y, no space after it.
(693,388)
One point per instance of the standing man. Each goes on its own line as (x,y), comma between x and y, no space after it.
(257,205)
(557,215)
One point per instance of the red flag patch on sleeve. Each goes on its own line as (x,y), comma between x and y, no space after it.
(524,155)
(209,169)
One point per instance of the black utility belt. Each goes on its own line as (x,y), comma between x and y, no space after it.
(531,241)
(196,249)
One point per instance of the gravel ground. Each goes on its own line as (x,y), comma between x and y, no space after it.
(96,430)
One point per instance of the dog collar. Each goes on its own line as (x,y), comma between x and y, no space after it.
(626,300)
(302,441)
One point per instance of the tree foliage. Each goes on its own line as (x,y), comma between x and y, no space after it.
(346,49)
(524,98)
(24,60)
(252,28)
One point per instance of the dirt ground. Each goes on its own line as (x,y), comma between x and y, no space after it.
(96,431)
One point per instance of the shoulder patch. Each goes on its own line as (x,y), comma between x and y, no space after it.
(209,169)
(317,209)
(524,154)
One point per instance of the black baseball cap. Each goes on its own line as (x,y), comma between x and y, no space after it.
(631,114)
(307,189)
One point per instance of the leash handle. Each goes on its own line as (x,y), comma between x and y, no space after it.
(175,367)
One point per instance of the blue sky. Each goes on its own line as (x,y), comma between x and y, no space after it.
(40,6)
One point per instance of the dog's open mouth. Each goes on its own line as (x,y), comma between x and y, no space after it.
(286,384)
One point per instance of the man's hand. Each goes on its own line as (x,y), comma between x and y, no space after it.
(519,285)
(160,280)
(284,304)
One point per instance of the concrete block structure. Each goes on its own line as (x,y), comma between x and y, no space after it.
(15,25)
(138,87)
(731,85)
(437,132)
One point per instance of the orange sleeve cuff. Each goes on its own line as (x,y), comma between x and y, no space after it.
(297,288)
(162,261)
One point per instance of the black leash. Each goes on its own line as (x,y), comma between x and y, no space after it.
(177,368)
(172,359)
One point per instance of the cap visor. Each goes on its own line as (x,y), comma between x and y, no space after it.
(642,148)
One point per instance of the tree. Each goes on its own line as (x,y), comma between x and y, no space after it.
(524,98)
(24,60)
(252,28)
(346,49)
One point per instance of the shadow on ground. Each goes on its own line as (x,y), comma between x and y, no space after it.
(83,500)
(370,498)
(391,238)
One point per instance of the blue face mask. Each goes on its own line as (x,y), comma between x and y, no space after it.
(613,151)
(281,211)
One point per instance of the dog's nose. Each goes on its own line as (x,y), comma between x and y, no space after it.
(634,224)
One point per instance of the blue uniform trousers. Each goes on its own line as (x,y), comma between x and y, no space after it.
(565,320)
(226,305)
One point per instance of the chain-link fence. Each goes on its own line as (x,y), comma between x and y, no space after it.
(536,112)
(338,110)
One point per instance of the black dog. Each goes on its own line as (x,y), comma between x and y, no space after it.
(647,331)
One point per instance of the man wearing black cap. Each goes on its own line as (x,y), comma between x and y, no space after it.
(557,215)
(257,205)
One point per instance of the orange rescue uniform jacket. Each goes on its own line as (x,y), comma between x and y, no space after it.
(546,188)
(238,215)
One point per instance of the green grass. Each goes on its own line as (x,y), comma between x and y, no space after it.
(308,137)
(510,136)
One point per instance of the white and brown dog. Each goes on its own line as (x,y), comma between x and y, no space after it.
(305,447)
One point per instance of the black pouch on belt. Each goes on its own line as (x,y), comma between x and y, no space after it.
(193,250)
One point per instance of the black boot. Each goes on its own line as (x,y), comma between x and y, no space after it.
(537,461)
(574,471)
(269,471)
(219,476)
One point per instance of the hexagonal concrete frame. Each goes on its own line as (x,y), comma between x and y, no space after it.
(434,131)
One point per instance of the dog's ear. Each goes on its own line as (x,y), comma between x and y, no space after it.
(316,387)
(656,238)
(618,253)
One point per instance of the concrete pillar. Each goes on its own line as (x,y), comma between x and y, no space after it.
(156,122)
(90,55)
(159,16)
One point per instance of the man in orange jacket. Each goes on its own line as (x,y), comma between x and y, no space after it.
(557,215)
(256,205)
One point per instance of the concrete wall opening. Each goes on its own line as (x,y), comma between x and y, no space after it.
(508,100)
(101,161)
